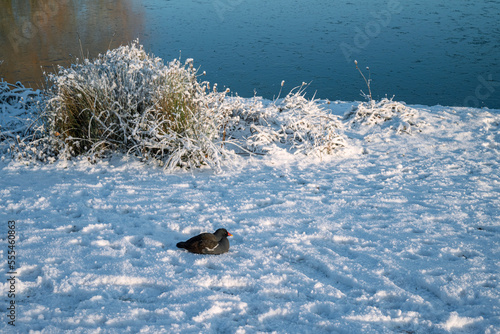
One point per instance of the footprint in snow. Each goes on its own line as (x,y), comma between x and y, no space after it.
(136,241)
(68,229)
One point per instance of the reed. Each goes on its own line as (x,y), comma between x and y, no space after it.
(367,82)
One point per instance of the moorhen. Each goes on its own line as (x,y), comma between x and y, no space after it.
(208,243)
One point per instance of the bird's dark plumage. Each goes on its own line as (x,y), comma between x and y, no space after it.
(208,243)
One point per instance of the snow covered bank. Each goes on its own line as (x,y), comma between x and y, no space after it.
(399,233)
(128,101)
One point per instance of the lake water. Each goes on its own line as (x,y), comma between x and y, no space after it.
(423,52)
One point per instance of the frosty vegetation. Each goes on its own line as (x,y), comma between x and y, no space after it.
(293,123)
(17,104)
(385,112)
(131,102)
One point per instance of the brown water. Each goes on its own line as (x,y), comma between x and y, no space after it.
(35,35)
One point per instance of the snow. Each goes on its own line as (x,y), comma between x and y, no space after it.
(398,232)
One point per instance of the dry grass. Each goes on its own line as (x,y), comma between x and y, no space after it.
(127,100)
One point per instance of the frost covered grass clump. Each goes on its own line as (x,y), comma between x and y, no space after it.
(386,113)
(17,104)
(294,123)
(129,101)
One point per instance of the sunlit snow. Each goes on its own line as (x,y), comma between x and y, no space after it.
(397,232)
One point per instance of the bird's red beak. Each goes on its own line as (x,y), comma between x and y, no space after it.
(229,234)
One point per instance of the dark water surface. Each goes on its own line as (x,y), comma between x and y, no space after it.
(427,52)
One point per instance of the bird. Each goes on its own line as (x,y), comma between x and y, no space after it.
(208,243)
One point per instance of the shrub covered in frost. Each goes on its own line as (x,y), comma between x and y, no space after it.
(127,100)
(17,104)
(395,115)
(386,112)
(293,123)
